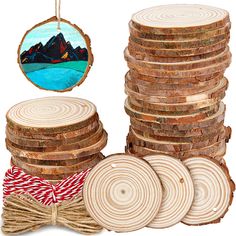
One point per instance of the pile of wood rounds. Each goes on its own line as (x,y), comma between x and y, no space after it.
(177,56)
(55,137)
(124,193)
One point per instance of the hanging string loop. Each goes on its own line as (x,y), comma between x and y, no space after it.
(58,13)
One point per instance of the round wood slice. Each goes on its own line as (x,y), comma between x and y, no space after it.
(122,193)
(178,190)
(68,162)
(216,151)
(57,137)
(180,19)
(167,146)
(181,88)
(169,119)
(211,94)
(138,107)
(132,46)
(46,143)
(175,81)
(179,37)
(207,122)
(154,91)
(56,170)
(60,155)
(51,115)
(188,65)
(214,68)
(147,127)
(194,139)
(147,57)
(94,138)
(185,44)
(189,107)
(213,191)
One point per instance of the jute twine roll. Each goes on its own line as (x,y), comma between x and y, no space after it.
(122,193)
(22,213)
(178,190)
(213,191)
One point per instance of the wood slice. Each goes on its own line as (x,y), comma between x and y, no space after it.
(189,107)
(138,107)
(194,139)
(171,119)
(51,115)
(47,143)
(154,91)
(225,55)
(207,122)
(44,170)
(68,162)
(132,46)
(216,92)
(178,37)
(216,151)
(167,146)
(185,44)
(180,19)
(122,193)
(148,128)
(94,138)
(60,155)
(213,191)
(175,81)
(178,190)
(214,68)
(57,137)
(147,57)
(171,87)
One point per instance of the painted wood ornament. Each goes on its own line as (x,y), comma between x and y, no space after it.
(55,54)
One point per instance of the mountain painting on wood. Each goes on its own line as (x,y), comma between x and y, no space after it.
(54,60)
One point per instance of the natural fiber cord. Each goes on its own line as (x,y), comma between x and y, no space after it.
(22,213)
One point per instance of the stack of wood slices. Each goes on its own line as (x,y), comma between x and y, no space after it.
(55,137)
(177,56)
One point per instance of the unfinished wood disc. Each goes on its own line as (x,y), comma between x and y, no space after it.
(56,137)
(92,139)
(60,155)
(44,170)
(211,94)
(135,47)
(168,146)
(150,128)
(147,57)
(51,114)
(216,151)
(179,65)
(175,81)
(213,191)
(184,44)
(122,193)
(179,37)
(169,119)
(178,190)
(180,19)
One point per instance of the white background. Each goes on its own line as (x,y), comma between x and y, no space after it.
(106,22)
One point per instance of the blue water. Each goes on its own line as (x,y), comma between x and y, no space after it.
(55,78)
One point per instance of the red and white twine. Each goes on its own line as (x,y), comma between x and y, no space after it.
(17,181)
